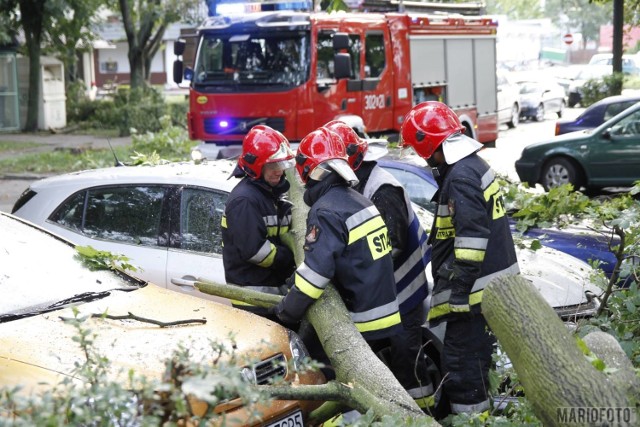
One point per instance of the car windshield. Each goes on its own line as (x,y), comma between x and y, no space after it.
(593,71)
(233,63)
(527,88)
(40,272)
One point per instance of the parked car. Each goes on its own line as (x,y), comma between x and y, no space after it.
(508,100)
(42,281)
(540,97)
(421,186)
(596,114)
(166,219)
(630,63)
(607,156)
(588,72)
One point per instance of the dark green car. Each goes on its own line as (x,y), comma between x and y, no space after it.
(607,156)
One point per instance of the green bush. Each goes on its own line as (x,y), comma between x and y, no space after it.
(596,89)
(80,109)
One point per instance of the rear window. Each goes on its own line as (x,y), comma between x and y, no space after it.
(27,195)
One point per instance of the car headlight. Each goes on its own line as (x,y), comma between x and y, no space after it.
(298,350)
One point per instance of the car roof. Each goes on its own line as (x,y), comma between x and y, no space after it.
(617,98)
(207,174)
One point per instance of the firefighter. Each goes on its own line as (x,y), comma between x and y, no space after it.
(471,244)
(257,215)
(410,255)
(346,243)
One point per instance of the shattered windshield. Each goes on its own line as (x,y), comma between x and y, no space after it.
(233,63)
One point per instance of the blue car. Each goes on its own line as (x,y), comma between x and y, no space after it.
(421,186)
(596,114)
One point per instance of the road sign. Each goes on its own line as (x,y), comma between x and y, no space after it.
(567,38)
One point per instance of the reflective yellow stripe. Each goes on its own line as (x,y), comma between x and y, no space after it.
(426,402)
(223,221)
(442,309)
(284,229)
(268,261)
(365,228)
(491,190)
(272,231)
(475,255)
(444,222)
(382,323)
(307,288)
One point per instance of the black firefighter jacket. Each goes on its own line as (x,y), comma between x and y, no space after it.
(256,214)
(471,240)
(347,244)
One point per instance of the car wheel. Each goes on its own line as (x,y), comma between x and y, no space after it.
(561,110)
(559,171)
(539,117)
(515,117)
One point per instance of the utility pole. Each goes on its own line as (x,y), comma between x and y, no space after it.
(618,24)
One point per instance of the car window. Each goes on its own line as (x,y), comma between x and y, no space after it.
(615,109)
(121,214)
(629,126)
(419,191)
(200,215)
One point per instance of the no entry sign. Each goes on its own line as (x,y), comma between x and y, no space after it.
(567,38)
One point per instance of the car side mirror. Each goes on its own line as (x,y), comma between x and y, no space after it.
(178,47)
(177,71)
(606,134)
(342,65)
(340,41)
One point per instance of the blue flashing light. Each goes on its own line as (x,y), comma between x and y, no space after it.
(223,124)
(235,7)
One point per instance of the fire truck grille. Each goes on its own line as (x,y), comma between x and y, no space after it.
(240,125)
(269,369)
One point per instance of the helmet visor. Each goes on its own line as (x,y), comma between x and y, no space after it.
(282,153)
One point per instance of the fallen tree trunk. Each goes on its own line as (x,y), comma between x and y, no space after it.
(556,376)
(363,381)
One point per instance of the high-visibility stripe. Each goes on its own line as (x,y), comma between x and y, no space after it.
(458,408)
(483,281)
(223,221)
(443,210)
(317,280)
(270,220)
(365,229)
(426,402)
(361,217)
(263,253)
(420,392)
(488,177)
(382,323)
(445,308)
(376,312)
(268,261)
(444,222)
(474,255)
(471,242)
(307,288)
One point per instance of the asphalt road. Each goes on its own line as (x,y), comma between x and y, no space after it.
(502,158)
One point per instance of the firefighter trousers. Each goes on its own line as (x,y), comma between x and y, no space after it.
(465,363)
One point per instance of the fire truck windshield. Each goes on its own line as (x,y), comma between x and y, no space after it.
(239,62)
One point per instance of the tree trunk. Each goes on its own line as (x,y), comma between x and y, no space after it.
(32,17)
(555,374)
(369,382)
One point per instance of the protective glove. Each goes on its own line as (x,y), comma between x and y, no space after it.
(284,319)
(289,240)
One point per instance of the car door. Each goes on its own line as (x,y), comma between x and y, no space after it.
(615,159)
(124,220)
(195,249)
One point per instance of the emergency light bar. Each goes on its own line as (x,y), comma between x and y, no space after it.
(234,8)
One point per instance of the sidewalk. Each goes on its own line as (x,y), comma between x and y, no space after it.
(12,185)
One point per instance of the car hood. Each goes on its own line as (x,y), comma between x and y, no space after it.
(560,139)
(40,348)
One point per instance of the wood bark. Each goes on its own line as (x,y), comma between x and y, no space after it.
(363,381)
(554,372)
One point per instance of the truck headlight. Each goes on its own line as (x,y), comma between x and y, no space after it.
(298,350)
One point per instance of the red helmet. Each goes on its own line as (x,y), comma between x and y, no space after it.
(320,153)
(355,146)
(263,145)
(427,125)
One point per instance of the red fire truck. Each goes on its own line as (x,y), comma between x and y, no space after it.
(295,71)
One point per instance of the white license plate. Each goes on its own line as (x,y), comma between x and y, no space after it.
(292,420)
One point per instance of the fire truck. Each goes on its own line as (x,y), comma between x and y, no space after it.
(295,71)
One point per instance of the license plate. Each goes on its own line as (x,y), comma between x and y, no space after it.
(292,420)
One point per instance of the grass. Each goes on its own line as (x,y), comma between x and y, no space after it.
(8,146)
(61,161)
